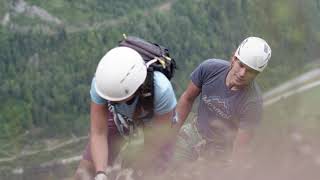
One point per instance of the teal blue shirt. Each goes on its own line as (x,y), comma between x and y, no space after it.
(164,97)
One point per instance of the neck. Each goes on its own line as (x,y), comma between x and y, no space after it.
(228,83)
(231,85)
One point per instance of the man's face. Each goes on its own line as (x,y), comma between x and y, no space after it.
(128,100)
(241,74)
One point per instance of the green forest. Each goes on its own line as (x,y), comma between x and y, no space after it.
(47,65)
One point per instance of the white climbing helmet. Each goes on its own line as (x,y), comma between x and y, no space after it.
(254,52)
(119,74)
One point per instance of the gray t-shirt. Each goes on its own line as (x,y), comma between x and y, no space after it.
(221,111)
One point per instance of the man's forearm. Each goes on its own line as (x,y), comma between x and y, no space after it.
(242,147)
(98,136)
(99,152)
(183,110)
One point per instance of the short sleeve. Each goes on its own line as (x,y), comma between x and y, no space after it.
(94,95)
(197,76)
(165,99)
(206,70)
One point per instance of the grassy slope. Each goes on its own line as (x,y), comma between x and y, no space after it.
(86,12)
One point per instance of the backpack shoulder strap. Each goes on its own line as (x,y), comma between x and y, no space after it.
(145,105)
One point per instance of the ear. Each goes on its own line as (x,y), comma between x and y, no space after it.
(233,60)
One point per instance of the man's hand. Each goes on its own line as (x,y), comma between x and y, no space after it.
(101,176)
(242,147)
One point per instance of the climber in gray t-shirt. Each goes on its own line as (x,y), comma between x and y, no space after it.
(230,102)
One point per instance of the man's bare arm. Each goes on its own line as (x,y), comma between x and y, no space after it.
(186,101)
(98,136)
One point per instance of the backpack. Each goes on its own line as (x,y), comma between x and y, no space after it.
(150,51)
(161,61)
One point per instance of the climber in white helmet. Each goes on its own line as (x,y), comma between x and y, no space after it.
(117,113)
(230,105)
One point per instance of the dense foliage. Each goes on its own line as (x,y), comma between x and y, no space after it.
(46,72)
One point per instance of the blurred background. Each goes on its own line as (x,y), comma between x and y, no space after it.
(49,51)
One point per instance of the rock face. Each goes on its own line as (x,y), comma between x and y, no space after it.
(21,7)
